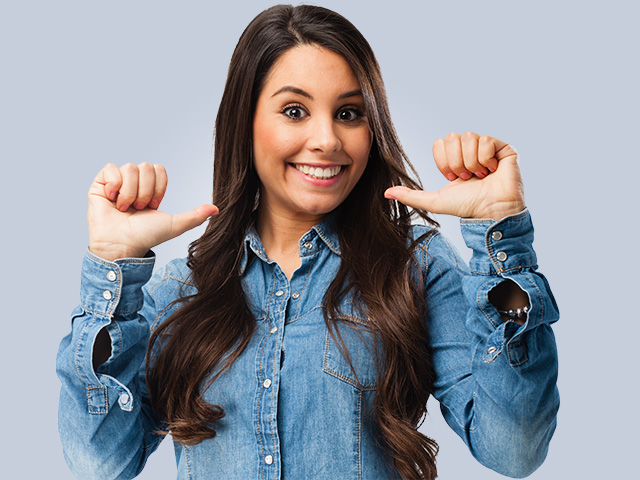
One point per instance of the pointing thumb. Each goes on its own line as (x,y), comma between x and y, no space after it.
(188,220)
(418,199)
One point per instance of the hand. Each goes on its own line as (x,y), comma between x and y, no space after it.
(124,220)
(484,174)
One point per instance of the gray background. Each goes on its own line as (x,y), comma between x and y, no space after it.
(85,83)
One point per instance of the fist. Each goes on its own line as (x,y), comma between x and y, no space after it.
(485,180)
(124,220)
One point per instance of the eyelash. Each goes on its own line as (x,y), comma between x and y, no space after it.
(286,108)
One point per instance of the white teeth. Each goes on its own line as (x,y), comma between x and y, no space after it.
(319,172)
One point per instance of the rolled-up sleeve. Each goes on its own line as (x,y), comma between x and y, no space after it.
(496,380)
(106,425)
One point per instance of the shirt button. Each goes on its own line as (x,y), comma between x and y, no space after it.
(268,459)
(295,296)
(308,245)
(491,349)
(279,293)
(111,276)
(274,329)
(266,383)
(496,235)
(501,256)
(107,295)
(124,398)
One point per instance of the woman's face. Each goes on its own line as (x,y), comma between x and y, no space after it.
(311,136)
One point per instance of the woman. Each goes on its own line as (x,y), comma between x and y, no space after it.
(310,323)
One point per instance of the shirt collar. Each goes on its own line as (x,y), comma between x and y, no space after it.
(323,233)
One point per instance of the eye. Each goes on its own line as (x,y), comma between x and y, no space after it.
(349,114)
(294,112)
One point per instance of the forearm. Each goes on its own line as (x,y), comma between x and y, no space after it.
(496,377)
(106,426)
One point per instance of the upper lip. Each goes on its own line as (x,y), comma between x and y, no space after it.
(319,165)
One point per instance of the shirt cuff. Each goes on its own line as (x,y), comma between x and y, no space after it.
(114,287)
(505,246)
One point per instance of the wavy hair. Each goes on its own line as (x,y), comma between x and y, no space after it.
(212,327)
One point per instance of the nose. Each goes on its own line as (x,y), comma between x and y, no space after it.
(323,137)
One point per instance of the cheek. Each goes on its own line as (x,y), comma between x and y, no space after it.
(360,148)
(270,140)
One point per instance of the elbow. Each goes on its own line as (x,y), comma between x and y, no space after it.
(519,452)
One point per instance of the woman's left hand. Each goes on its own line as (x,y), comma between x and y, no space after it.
(484,175)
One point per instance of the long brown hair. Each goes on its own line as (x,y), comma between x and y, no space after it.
(213,326)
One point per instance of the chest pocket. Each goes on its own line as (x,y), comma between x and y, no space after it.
(361,347)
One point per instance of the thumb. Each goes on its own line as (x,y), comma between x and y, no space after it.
(419,199)
(186,221)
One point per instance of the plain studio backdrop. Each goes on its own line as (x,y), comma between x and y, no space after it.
(86,83)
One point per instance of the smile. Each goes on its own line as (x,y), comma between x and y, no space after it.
(319,172)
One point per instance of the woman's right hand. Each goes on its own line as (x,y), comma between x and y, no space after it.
(124,220)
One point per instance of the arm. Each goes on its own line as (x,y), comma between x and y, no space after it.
(496,379)
(105,422)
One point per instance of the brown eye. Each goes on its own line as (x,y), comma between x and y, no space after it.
(294,112)
(349,114)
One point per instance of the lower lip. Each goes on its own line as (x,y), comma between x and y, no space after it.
(320,182)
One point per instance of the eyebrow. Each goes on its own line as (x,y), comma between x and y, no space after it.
(299,91)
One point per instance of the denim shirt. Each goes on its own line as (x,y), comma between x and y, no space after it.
(293,407)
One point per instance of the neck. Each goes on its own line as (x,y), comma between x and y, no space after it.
(280,232)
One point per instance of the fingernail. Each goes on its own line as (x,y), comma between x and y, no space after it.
(465,175)
(452,176)
(480,174)
(492,169)
(138,205)
(111,195)
(154,204)
(123,208)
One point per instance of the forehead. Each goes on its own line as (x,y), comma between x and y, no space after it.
(311,67)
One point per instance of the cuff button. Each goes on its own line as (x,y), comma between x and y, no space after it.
(496,235)
(501,256)
(107,295)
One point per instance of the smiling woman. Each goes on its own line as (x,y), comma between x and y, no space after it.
(311,143)
(308,326)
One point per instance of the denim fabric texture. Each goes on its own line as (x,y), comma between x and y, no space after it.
(294,408)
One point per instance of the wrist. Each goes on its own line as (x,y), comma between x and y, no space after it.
(113,253)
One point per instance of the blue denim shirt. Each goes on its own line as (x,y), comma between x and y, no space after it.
(294,409)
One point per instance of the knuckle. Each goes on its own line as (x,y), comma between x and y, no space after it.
(145,166)
(469,135)
(129,168)
(484,139)
(452,136)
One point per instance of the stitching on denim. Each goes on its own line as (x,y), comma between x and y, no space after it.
(359,434)
(331,246)
(187,461)
(82,340)
(505,270)
(181,280)
(97,312)
(260,391)
(106,404)
(274,407)
(287,322)
(473,410)
(304,286)
(119,333)
(129,261)
(523,346)
(333,373)
(481,289)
